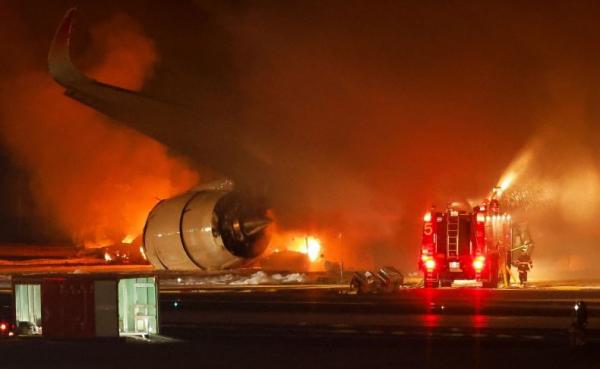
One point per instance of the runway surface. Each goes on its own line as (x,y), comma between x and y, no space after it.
(323,328)
(466,311)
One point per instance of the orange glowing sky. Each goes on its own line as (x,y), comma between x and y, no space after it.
(375,111)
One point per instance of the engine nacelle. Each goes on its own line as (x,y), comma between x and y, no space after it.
(206,229)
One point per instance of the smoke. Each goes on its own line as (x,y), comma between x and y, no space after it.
(95,180)
(380,110)
(556,192)
(371,112)
(373,119)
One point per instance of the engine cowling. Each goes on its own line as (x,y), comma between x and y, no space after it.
(207,229)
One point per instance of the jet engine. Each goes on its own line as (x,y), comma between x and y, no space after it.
(206,229)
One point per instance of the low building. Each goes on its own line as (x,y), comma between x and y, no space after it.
(79,306)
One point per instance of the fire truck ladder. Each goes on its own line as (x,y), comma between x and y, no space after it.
(452,237)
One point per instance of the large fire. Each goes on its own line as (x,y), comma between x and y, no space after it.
(92,178)
(308,245)
(298,242)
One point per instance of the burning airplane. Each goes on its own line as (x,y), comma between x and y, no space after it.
(211,227)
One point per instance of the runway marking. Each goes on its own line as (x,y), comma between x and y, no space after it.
(340,325)
(348,331)
(398,333)
(374,332)
(534,337)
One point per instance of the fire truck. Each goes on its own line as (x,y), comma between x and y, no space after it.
(473,244)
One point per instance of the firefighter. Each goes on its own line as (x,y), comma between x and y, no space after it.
(521,253)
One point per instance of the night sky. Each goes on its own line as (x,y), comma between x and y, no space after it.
(377,110)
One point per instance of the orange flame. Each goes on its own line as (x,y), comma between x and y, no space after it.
(93,178)
(297,242)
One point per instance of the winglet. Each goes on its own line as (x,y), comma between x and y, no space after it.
(59,59)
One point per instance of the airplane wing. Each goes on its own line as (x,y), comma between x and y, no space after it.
(205,143)
(118,103)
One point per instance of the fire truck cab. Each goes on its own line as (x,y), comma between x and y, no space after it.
(460,244)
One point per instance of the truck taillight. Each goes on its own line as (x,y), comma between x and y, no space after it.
(480,217)
(479,263)
(429,264)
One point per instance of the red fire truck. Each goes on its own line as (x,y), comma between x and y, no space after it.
(466,244)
